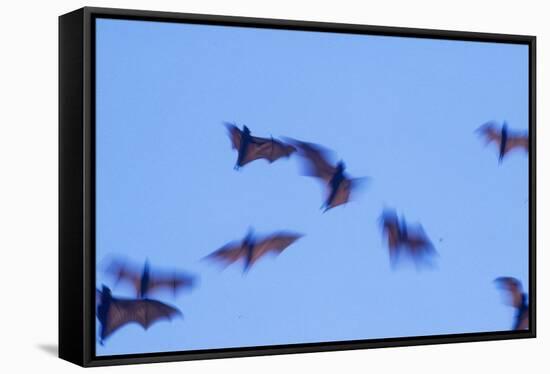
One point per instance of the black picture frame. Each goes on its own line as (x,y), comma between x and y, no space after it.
(77,172)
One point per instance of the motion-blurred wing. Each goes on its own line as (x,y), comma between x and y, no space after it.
(418,242)
(390,227)
(174,282)
(277,150)
(229,253)
(513,288)
(97,297)
(523,321)
(343,193)
(142,311)
(490,132)
(275,243)
(318,160)
(121,271)
(234,135)
(263,148)
(517,142)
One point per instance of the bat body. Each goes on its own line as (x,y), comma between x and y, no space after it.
(144,282)
(113,313)
(504,139)
(338,184)
(517,299)
(403,239)
(251,249)
(252,148)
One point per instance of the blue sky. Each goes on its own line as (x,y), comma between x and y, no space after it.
(402,111)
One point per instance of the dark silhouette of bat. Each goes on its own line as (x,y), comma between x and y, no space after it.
(404,239)
(113,313)
(318,164)
(252,148)
(505,140)
(517,299)
(251,249)
(144,282)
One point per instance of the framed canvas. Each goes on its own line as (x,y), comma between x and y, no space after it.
(236,186)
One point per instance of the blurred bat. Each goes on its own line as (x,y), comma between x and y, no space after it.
(517,299)
(252,148)
(251,249)
(503,138)
(144,282)
(339,185)
(113,313)
(405,239)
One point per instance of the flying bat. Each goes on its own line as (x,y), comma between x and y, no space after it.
(144,282)
(339,185)
(517,299)
(252,148)
(251,249)
(505,140)
(405,239)
(113,313)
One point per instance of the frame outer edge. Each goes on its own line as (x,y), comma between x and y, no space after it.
(71,259)
(87,278)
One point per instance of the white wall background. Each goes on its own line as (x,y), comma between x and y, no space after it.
(28,184)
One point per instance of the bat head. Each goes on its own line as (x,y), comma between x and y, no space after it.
(246,130)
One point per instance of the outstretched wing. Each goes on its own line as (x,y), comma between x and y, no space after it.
(418,241)
(342,195)
(229,253)
(264,148)
(490,132)
(275,243)
(517,141)
(418,244)
(122,272)
(145,312)
(173,282)
(318,160)
(513,288)
(234,135)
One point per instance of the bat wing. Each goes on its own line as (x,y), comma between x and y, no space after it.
(391,232)
(122,272)
(173,282)
(490,133)
(418,242)
(229,253)
(234,135)
(513,288)
(278,150)
(390,228)
(145,312)
(264,148)
(318,160)
(523,321)
(343,193)
(275,243)
(97,297)
(517,141)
